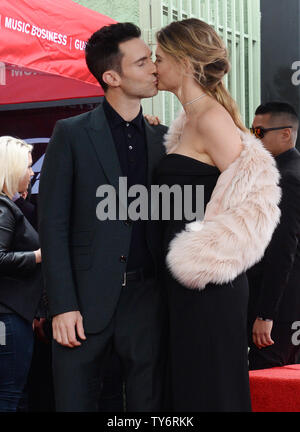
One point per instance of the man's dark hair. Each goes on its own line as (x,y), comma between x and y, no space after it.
(280,110)
(102,51)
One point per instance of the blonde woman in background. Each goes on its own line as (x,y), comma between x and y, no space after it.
(206,260)
(20,273)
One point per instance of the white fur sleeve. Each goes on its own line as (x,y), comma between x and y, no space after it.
(233,238)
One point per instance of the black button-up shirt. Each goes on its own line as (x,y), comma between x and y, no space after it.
(130,142)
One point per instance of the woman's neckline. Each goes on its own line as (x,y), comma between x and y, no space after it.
(194,159)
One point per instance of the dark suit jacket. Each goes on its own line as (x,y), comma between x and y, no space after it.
(275,281)
(83,258)
(20,276)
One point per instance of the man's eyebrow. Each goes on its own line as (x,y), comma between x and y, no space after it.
(143,58)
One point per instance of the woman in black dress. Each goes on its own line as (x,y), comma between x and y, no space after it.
(206,260)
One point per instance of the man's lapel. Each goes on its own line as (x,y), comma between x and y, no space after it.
(104,145)
(101,137)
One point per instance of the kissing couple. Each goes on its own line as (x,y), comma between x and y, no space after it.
(169,297)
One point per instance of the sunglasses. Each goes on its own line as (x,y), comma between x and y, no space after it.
(260,132)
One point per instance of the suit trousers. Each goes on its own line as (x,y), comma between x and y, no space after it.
(283,352)
(137,333)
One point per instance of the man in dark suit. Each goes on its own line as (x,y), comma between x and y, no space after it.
(274,303)
(102,276)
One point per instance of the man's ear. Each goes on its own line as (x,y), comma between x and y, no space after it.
(111,78)
(286,134)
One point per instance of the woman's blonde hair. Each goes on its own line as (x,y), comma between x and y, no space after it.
(198,42)
(13,164)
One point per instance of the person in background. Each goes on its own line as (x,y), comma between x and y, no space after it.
(40,373)
(39,376)
(274,302)
(20,274)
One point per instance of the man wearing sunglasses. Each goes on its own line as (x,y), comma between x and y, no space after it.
(274,302)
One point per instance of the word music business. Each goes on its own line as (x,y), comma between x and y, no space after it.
(42,33)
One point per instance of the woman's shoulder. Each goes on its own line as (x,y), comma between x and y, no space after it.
(8,207)
(216,127)
(6,203)
(220,136)
(7,215)
(214,118)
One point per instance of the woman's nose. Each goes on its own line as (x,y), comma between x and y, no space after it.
(153,67)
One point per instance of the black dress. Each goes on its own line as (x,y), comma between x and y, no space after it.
(208,363)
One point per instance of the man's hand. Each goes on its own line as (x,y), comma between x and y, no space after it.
(261,333)
(152,120)
(38,256)
(64,326)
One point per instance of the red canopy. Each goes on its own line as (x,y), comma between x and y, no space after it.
(42,50)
